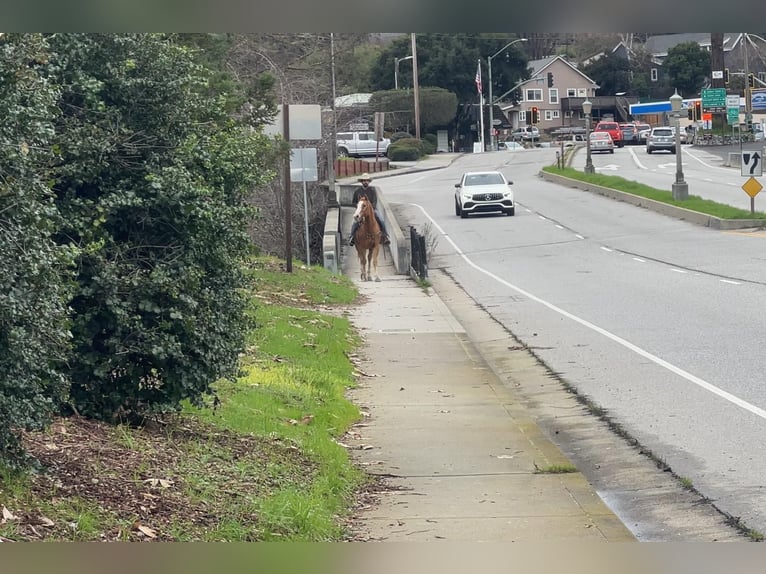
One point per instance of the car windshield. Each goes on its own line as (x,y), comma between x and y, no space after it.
(483,179)
(662,132)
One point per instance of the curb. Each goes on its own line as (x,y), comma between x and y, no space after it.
(681,213)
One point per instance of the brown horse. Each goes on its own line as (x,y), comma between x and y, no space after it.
(367,239)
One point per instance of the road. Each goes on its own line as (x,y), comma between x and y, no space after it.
(657,321)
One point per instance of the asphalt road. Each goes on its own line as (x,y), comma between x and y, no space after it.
(656,320)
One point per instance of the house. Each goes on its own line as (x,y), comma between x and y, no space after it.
(557,89)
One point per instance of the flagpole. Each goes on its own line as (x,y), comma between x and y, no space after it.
(481,107)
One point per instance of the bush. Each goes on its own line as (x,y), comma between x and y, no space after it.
(431,139)
(396,136)
(428,147)
(158,208)
(403,151)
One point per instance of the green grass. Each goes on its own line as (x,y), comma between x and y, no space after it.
(260,463)
(693,203)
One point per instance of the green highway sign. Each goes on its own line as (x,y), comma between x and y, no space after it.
(732,116)
(714,99)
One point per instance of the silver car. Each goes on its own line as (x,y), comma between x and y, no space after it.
(661,138)
(601,141)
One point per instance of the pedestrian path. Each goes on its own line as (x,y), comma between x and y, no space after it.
(461,456)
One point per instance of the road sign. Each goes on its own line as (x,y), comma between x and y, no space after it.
(732,101)
(714,99)
(732,116)
(752,187)
(752,164)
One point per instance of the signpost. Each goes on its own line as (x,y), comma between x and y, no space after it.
(752,167)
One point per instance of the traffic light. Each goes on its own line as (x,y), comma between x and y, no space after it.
(535,115)
(751,80)
(698,111)
(550,79)
(689,113)
(726,76)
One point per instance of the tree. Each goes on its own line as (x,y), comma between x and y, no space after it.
(33,284)
(449,61)
(152,178)
(687,65)
(437,107)
(611,72)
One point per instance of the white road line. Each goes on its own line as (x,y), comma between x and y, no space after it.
(527,210)
(416,179)
(560,226)
(578,236)
(730,282)
(543,218)
(733,399)
(639,260)
(606,249)
(678,270)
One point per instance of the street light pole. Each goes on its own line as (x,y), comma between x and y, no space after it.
(492,139)
(396,70)
(680,187)
(587,106)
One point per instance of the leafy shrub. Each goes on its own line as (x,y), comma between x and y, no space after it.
(403,150)
(431,139)
(33,288)
(152,182)
(396,136)
(427,147)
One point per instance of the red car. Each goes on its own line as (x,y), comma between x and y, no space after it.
(613,128)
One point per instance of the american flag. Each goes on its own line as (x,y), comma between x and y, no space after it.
(477,79)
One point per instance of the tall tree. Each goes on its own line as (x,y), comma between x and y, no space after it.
(687,65)
(611,72)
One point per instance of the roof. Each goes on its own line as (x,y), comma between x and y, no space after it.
(539,66)
(659,45)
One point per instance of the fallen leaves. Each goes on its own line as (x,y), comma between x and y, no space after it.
(7,515)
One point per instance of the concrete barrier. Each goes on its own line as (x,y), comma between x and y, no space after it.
(657,206)
(734,159)
(331,240)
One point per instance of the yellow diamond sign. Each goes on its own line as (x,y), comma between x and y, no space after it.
(752,187)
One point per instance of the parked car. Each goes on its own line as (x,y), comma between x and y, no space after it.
(601,142)
(661,138)
(643,131)
(684,137)
(360,144)
(613,128)
(629,133)
(525,134)
(483,191)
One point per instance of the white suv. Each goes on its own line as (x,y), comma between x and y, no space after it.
(482,192)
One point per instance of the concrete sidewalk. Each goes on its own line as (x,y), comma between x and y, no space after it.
(461,456)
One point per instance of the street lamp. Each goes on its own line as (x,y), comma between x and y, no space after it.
(680,187)
(396,70)
(587,106)
(493,141)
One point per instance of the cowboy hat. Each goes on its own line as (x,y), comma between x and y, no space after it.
(365,177)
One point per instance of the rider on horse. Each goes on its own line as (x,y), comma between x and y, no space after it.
(372,195)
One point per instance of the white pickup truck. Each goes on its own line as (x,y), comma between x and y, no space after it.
(360,143)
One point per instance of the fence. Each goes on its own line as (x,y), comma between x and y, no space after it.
(349,167)
(419,262)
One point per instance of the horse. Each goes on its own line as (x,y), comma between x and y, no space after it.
(367,239)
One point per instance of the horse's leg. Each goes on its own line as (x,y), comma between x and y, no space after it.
(369,256)
(360,252)
(375,251)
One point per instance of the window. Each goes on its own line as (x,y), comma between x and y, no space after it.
(548,115)
(654,74)
(571,93)
(533,95)
(553,96)
(582,93)
(364,136)
(556,114)
(523,116)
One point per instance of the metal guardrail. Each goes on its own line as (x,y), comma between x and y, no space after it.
(419,261)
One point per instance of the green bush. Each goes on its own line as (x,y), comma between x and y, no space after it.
(152,183)
(403,152)
(34,289)
(428,147)
(431,139)
(396,136)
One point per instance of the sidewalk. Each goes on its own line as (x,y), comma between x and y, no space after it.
(462,458)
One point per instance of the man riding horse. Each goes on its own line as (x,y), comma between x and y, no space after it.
(372,195)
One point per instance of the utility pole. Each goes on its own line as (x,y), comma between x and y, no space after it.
(415,86)
(717,66)
(288,189)
(748,109)
(331,151)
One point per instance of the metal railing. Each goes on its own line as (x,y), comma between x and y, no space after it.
(419,261)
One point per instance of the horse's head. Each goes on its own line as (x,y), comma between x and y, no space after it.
(363,209)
